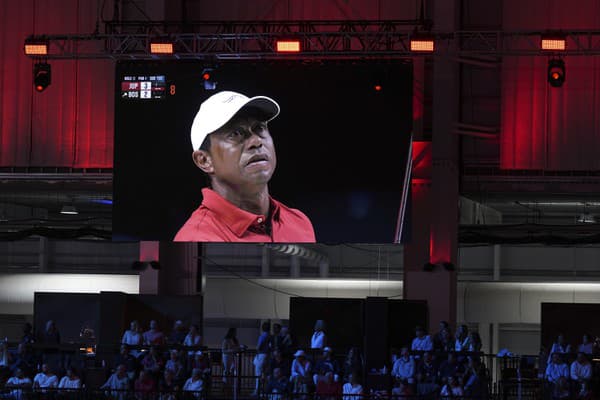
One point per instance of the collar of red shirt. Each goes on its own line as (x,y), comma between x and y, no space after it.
(235,218)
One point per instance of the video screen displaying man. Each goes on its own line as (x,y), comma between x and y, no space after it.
(331,170)
(232,145)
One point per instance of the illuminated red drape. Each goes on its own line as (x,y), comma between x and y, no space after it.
(70,124)
(545,127)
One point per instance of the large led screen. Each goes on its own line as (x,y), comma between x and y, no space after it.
(341,141)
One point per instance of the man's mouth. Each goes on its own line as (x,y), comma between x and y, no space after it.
(257,159)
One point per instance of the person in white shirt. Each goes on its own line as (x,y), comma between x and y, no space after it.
(352,390)
(45,379)
(319,339)
(70,380)
(17,383)
(193,339)
(423,341)
(556,368)
(581,369)
(560,346)
(133,337)
(462,342)
(195,383)
(452,388)
(586,346)
(301,375)
(118,383)
(404,367)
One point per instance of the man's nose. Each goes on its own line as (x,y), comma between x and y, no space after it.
(253,139)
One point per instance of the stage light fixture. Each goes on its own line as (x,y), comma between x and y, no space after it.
(288,46)
(208,77)
(35,47)
(161,47)
(42,76)
(556,72)
(422,43)
(428,267)
(554,42)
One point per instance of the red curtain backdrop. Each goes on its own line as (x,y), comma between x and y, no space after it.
(544,127)
(70,124)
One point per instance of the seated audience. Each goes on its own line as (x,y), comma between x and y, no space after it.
(152,361)
(402,390)
(118,383)
(556,368)
(443,340)
(194,384)
(452,388)
(352,390)
(46,379)
(450,367)
(16,384)
(70,380)
(326,364)
(130,362)
(328,388)
(586,346)
(133,337)
(153,336)
(560,346)
(581,370)
(144,386)
(422,341)
(301,376)
(277,386)
(178,334)
(404,367)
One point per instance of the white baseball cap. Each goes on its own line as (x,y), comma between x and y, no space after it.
(219,108)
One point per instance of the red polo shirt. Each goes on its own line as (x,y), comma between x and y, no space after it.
(218,220)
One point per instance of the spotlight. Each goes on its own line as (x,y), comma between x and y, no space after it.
(42,76)
(161,47)
(554,42)
(422,43)
(208,77)
(556,72)
(288,46)
(36,47)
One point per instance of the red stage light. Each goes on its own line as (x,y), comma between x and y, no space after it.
(206,76)
(377,87)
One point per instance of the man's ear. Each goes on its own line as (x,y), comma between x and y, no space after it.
(203,160)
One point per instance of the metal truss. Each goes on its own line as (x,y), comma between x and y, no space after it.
(319,39)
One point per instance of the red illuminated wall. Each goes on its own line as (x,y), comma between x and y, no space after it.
(70,124)
(545,127)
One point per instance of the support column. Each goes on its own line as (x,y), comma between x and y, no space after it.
(179,268)
(434,236)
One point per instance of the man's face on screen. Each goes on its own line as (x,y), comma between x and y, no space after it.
(242,153)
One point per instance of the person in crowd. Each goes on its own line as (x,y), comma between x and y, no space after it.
(153,361)
(277,361)
(581,370)
(178,333)
(46,379)
(194,384)
(301,373)
(202,362)
(443,340)
(50,335)
(586,346)
(556,368)
(277,387)
(462,342)
(354,363)
(168,385)
(229,347)
(126,358)
(24,359)
(543,358)
(319,338)
(193,339)
(175,365)
(118,383)
(352,390)
(133,337)
(28,337)
(452,389)
(560,346)
(404,367)
(154,336)
(276,338)
(262,352)
(584,392)
(561,390)
(327,364)
(328,388)
(426,375)
(144,386)
(6,359)
(287,343)
(402,390)
(474,386)
(450,367)
(70,381)
(16,385)
(422,341)
(474,342)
